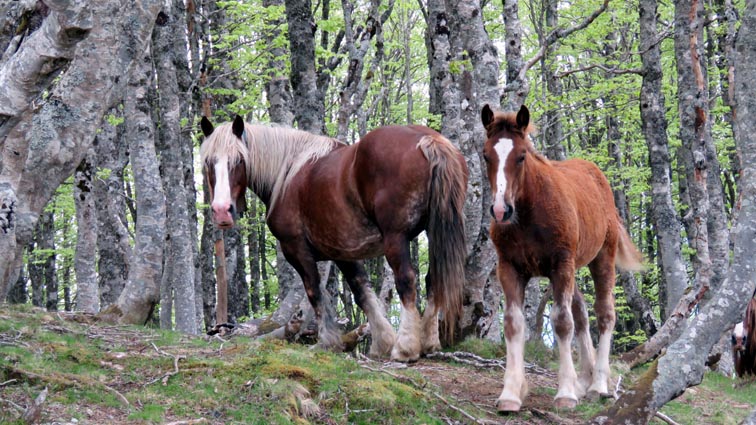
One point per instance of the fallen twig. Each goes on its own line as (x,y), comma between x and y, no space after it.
(665,418)
(477,361)
(31,415)
(167,375)
(617,388)
(67,379)
(10,381)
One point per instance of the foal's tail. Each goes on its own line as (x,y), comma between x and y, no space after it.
(446,227)
(628,257)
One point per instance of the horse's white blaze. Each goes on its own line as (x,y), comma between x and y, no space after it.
(739,331)
(222,189)
(503,148)
(514,376)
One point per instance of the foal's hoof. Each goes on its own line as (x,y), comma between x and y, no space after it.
(507,406)
(565,403)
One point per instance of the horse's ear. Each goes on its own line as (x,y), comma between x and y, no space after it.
(206,126)
(523,117)
(486,115)
(238,126)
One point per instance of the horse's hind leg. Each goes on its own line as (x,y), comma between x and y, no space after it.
(430,340)
(407,346)
(329,336)
(563,284)
(383,336)
(515,385)
(585,345)
(603,273)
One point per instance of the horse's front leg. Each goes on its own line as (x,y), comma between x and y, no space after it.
(408,345)
(563,283)
(515,384)
(383,336)
(329,336)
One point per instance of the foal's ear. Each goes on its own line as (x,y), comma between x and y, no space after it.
(523,117)
(486,115)
(238,126)
(206,126)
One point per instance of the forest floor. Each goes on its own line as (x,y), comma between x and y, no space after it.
(62,368)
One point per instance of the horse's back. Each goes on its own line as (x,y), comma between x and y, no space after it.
(389,167)
(593,200)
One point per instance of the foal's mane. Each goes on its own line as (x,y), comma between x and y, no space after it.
(272,154)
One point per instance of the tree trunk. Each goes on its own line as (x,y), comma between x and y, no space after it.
(683,363)
(18,293)
(179,242)
(476,87)
(35,62)
(142,291)
(113,239)
(309,110)
(64,125)
(87,293)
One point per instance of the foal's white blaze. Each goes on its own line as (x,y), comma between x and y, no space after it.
(503,148)
(222,193)
(739,331)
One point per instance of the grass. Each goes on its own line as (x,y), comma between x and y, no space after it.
(112,374)
(108,374)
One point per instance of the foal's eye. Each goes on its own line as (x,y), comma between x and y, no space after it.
(521,159)
(486,158)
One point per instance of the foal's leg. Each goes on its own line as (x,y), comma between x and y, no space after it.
(382,333)
(603,273)
(329,336)
(515,384)
(407,346)
(563,284)
(585,345)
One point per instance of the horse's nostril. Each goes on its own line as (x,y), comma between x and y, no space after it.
(492,212)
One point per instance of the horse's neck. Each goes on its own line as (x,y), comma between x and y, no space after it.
(279,158)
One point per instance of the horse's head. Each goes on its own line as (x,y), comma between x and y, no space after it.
(506,152)
(738,338)
(223,154)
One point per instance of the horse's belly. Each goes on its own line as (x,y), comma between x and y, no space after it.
(357,245)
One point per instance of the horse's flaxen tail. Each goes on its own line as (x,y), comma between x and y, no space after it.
(628,257)
(446,227)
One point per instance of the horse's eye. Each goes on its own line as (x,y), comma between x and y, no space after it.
(521,159)
(486,158)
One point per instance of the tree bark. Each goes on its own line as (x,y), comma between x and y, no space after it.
(683,363)
(87,293)
(309,109)
(113,239)
(179,242)
(64,125)
(142,291)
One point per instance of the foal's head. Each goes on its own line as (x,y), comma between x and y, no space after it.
(224,154)
(506,152)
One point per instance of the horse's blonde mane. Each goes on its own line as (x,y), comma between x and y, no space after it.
(273,155)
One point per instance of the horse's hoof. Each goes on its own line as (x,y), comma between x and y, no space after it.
(565,403)
(507,406)
(431,349)
(403,356)
(592,396)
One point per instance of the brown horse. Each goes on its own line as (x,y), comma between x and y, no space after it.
(549,218)
(329,201)
(744,342)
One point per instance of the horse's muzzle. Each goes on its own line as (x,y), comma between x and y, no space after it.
(224,218)
(508,212)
